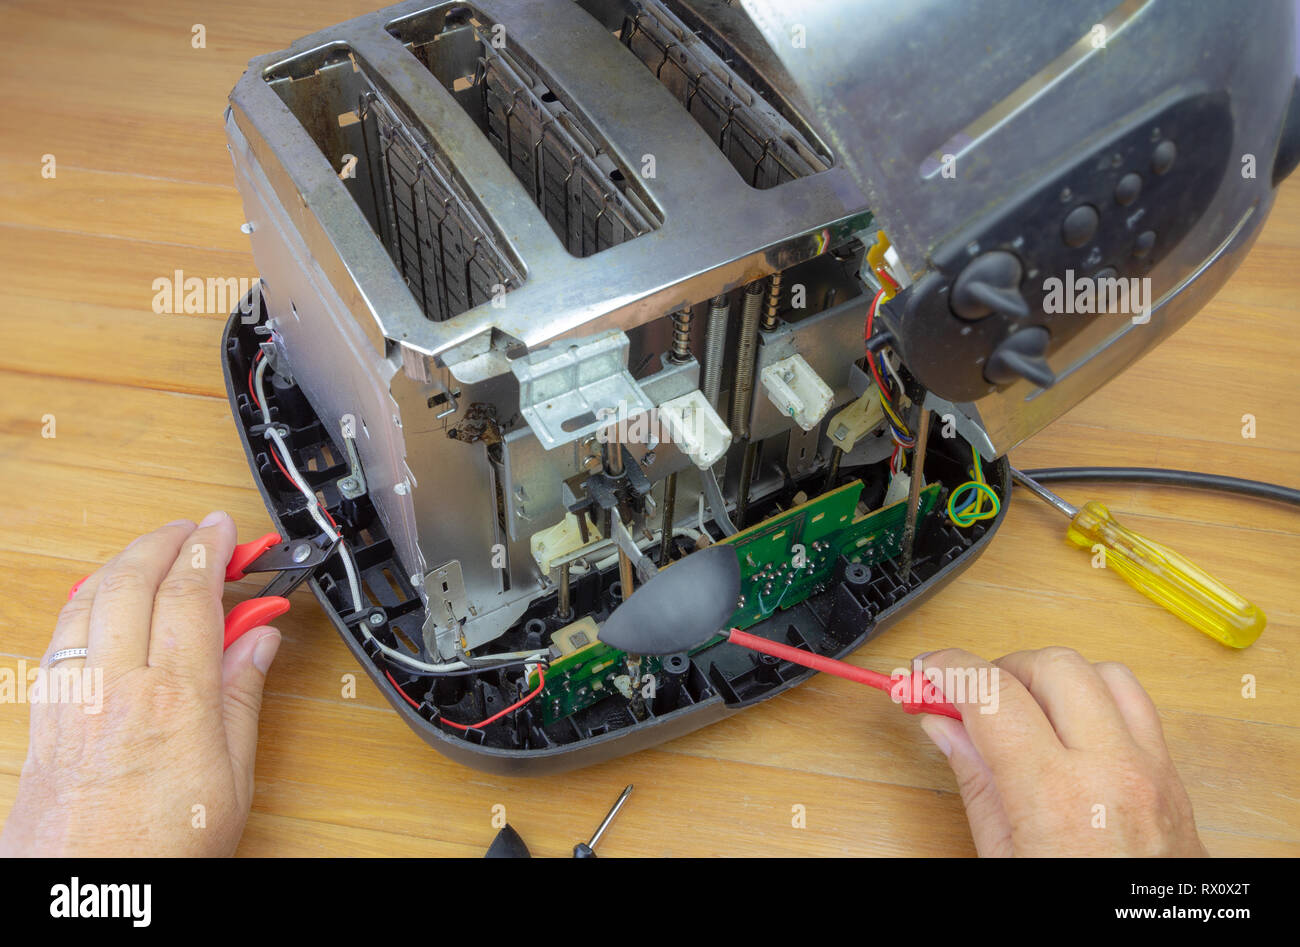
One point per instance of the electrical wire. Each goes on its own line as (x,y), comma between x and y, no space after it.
(897,429)
(541,682)
(968,512)
(405,696)
(1169,478)
(253,394)
(507,659)
(326,522)
(889,367)
(866,337)
(542,658)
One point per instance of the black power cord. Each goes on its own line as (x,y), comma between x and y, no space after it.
(1169,478)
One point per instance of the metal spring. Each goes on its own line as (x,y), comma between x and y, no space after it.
(745,346)
(681,350)
(773,303)
(715,341)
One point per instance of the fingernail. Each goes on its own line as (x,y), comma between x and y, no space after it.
(180,522)
(212,519)
(265,649)
(936,731)
(923,655)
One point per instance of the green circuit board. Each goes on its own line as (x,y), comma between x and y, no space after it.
(578,680)
(783,561)
(792,555)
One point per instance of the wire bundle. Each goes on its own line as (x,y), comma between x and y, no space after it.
(966,503)
(881,367)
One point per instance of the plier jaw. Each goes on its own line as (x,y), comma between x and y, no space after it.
(293,563)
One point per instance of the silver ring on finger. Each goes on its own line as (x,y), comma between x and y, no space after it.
(64,653)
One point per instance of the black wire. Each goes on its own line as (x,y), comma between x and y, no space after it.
(1169,478)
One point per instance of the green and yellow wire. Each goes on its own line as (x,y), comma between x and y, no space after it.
(971,510)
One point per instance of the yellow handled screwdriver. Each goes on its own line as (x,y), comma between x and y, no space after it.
(1160,574)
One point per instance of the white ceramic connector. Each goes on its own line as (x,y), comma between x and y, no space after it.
(797,391)
(691,423)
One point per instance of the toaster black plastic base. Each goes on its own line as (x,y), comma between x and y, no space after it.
(721,680)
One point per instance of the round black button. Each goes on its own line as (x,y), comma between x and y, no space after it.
(1128,189)
(1145,241)
(1080,224)
(1021,355)
(1162,159)
(990,283)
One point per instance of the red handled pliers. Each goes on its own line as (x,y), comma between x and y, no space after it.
(294,562)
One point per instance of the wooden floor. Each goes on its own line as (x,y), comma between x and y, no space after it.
(132,114)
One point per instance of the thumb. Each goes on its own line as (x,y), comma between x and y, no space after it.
(243,677)
(989,825)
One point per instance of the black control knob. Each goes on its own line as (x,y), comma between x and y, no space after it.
(1021,355)
(990,283)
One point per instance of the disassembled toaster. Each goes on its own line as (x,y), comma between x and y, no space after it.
(555,293)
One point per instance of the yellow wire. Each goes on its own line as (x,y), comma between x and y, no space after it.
(893,417)
(973,511)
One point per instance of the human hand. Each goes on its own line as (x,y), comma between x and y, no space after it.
(1072,760)
(166,766)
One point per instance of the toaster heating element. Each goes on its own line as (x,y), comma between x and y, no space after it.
(555,293)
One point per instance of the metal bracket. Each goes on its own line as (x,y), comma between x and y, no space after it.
(570,390)
(965,419)
(645,568)
(354,484)
(448,604)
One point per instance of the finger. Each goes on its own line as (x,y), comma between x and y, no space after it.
(243,678)
(1072,694)
(1136,707)
(989,825)
(1005,723)
(72,628)
(187,632)
(120,614)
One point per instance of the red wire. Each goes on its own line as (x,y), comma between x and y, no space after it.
(885,275)
(541,682)
(871,358)
(400,691)
(274,456)
(252,392)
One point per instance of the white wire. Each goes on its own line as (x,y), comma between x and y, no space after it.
(402,658)
(893,371)
(354,586)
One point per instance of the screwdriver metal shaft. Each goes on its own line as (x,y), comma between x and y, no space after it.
(920,424)
(587,849)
